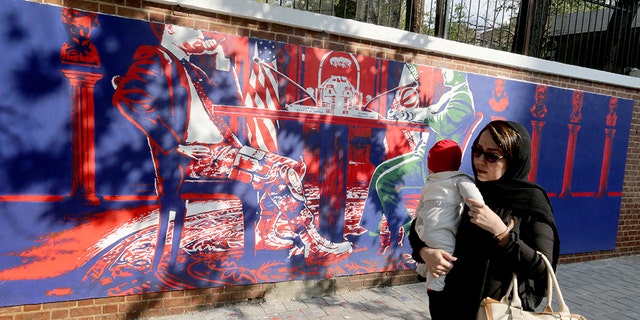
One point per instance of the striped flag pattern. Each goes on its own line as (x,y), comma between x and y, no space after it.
(262,93)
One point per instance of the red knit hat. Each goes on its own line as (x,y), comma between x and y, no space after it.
(445,155)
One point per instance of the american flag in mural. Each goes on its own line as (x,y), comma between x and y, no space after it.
(262,93)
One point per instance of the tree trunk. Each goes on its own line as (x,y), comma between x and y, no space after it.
(414,16)
(538,28)
(441,18)
(530,27)
(619,30)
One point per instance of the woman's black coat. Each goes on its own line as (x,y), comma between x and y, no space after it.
(483,268)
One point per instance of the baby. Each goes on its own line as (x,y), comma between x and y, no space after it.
(441,202)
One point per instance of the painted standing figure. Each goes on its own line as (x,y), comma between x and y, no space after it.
(451,117)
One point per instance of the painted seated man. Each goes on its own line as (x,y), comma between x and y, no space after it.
(168,99)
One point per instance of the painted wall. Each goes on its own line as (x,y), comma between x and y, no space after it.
(126,170)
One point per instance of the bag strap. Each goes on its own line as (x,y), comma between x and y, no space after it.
(553,281)
(513,292)
(552,284)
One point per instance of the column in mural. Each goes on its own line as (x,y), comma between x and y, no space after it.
(81,61)
(609,131)
(538,111)
(574,128)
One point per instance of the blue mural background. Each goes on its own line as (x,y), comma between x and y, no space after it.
(58,245)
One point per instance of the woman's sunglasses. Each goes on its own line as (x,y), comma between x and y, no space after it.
(488,156)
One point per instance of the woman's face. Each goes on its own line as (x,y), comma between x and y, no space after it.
(485,170)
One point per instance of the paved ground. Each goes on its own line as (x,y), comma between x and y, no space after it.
(598,290)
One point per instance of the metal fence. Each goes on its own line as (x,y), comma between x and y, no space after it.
(597,34)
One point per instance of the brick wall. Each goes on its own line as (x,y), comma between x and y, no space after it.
(184,301)
(179,302)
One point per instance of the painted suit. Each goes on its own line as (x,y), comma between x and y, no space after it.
(154,95)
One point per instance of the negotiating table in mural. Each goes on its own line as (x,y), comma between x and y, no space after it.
(336,151)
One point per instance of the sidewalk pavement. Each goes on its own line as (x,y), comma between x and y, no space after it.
(598,290)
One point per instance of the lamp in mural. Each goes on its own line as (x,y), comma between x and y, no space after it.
(80,58)
(574,128)
(610,131)
(336,94)
(538,111)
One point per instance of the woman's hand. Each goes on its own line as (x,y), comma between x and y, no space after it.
(484,217)
(438,261)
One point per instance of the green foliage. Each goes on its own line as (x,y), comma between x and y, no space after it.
(561,7)
(458,28)
(345,9)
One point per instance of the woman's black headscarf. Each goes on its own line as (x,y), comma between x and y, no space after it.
(513,190)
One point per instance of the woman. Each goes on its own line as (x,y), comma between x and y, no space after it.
(497,238)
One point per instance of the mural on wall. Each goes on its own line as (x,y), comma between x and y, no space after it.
(141,157)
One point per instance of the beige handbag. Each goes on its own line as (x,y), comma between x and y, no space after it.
(507,309)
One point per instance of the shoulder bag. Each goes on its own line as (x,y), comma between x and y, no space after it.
(510,306)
